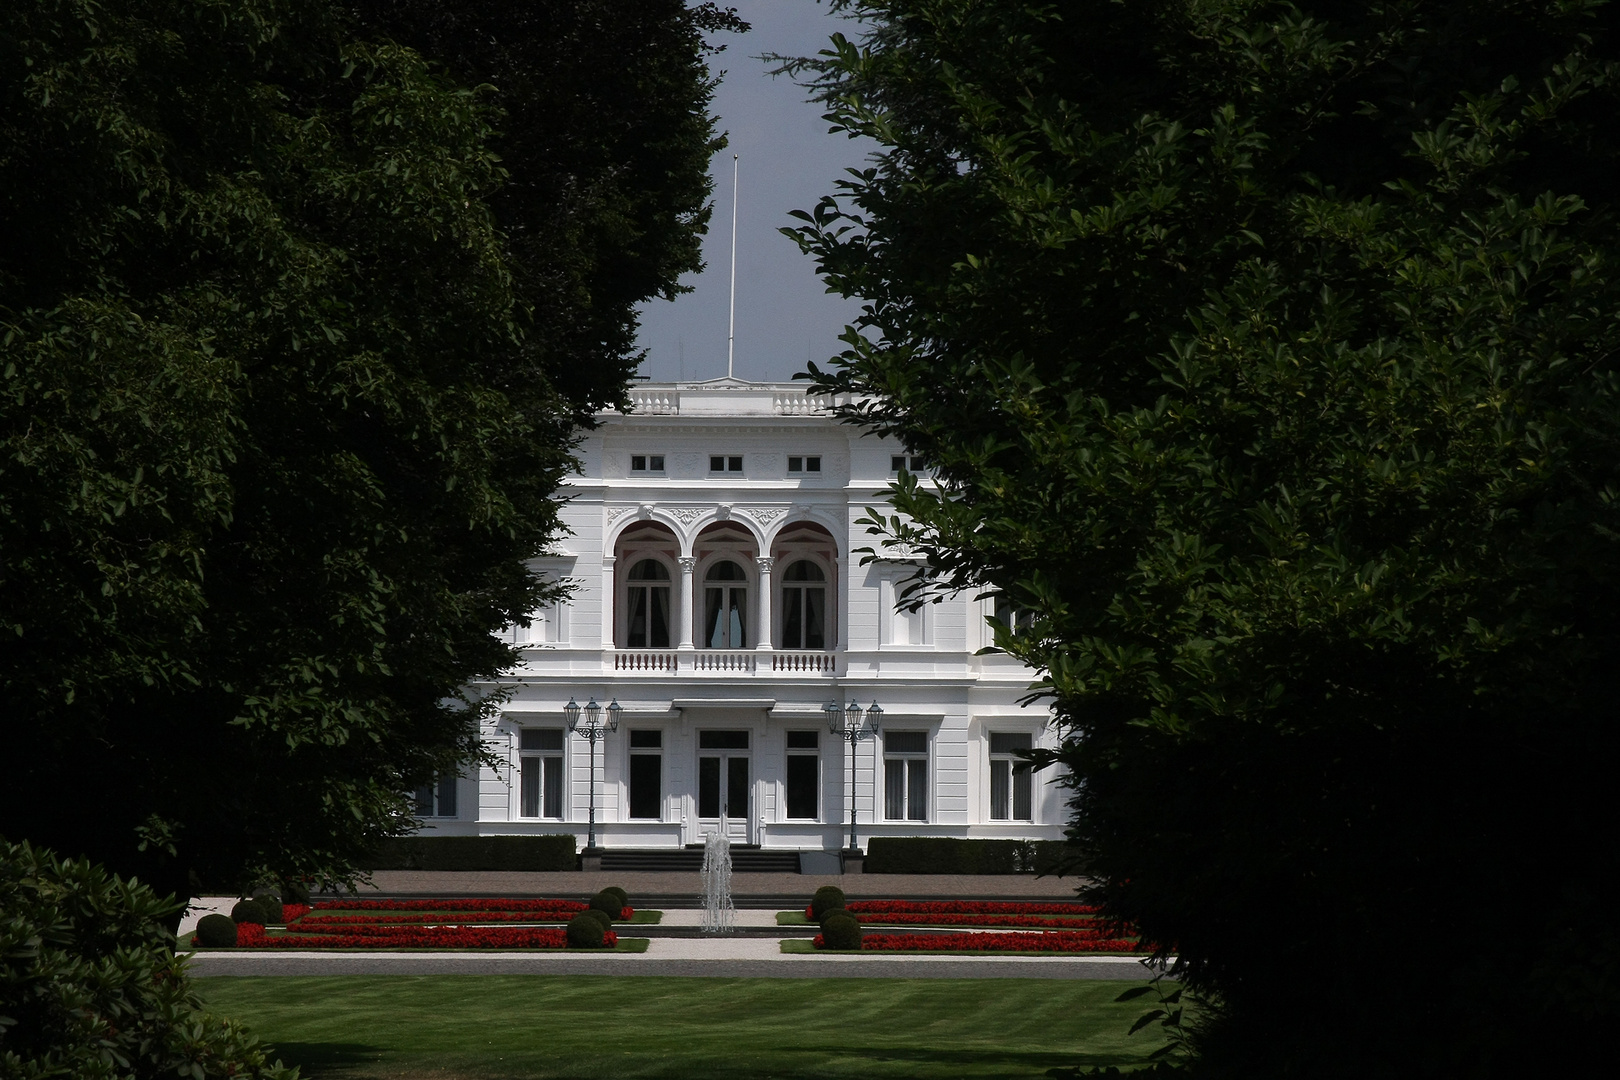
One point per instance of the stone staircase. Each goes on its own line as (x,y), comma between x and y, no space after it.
(745,859)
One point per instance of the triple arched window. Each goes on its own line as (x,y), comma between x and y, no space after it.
(804,606)
(647,611)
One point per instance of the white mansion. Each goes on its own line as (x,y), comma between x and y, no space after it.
(719,601)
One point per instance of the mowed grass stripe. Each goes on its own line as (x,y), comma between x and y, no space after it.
(526,1027)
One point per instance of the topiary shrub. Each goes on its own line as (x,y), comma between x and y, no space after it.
(624,897)
(272,907)
(216,932)
(608,903)
(827,898)
(91,987)
(294,892)
(840,930)
(249,911)
(585,931)
(600,916)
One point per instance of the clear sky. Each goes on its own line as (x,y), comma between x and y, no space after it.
(788,161)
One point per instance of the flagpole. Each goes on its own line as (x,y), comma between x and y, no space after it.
(731,335)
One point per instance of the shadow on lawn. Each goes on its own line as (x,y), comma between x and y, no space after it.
(318,1059)
(336,1061)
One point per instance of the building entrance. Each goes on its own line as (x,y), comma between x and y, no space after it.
(725,787)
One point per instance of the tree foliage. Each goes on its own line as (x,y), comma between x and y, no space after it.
(292,370)
(90,987)
(1267,353)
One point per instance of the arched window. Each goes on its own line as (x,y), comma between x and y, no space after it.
(647,606)
(804,606)
(725,606)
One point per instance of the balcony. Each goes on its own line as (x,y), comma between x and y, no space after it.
(702,663)
(726,397)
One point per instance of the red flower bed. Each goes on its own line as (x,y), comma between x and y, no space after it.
(408,918)
(968,907)
(495,904)
(1056,942)
(1039,922)
(291,913)
(252,936)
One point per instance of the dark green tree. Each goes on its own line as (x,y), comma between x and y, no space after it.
(1266,352)
(287,395)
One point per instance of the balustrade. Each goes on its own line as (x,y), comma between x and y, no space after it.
(645,660)
(731,661)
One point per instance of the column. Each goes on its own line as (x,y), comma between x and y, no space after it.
(609,586)
(841,592)
(764,606)
(688,612)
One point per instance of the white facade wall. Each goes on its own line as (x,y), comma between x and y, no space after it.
(921,668)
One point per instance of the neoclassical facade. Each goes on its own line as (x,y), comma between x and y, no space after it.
(721,601)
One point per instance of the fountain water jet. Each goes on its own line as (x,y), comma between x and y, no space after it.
(719,915)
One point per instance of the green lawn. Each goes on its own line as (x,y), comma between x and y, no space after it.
(518,1027)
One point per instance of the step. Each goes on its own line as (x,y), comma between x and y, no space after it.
(743,860)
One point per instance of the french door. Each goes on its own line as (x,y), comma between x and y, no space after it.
(725,784)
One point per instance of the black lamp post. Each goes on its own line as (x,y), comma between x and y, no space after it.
(593,727)
(846,723)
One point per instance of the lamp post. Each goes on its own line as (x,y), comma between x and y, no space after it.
(846,723)
(592,725)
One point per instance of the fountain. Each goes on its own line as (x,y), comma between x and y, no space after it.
(719,916)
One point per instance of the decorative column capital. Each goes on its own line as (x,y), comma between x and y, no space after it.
(765,563)
(688,563)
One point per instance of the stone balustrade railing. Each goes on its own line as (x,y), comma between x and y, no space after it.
(728,661)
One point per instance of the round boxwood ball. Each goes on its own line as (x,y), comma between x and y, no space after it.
(249,911)
(624,897)
(272,906)
(294,892)
(600,916)
(841,930)
(827,898)
(608,904)
(585,931)
(216,932)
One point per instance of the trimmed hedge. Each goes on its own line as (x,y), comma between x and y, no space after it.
(840,930)
(608,903)
(947,855)
(585,930)
(827,898)
(216,931)
(249,911)
(550,852)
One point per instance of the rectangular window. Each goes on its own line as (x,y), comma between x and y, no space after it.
(905,775)
(803,773)
(436,799)
(646,774)
(804,464)
(1013,617)
(1011,797)
(646,463)
(540,772)
(723,463)
(898,462)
